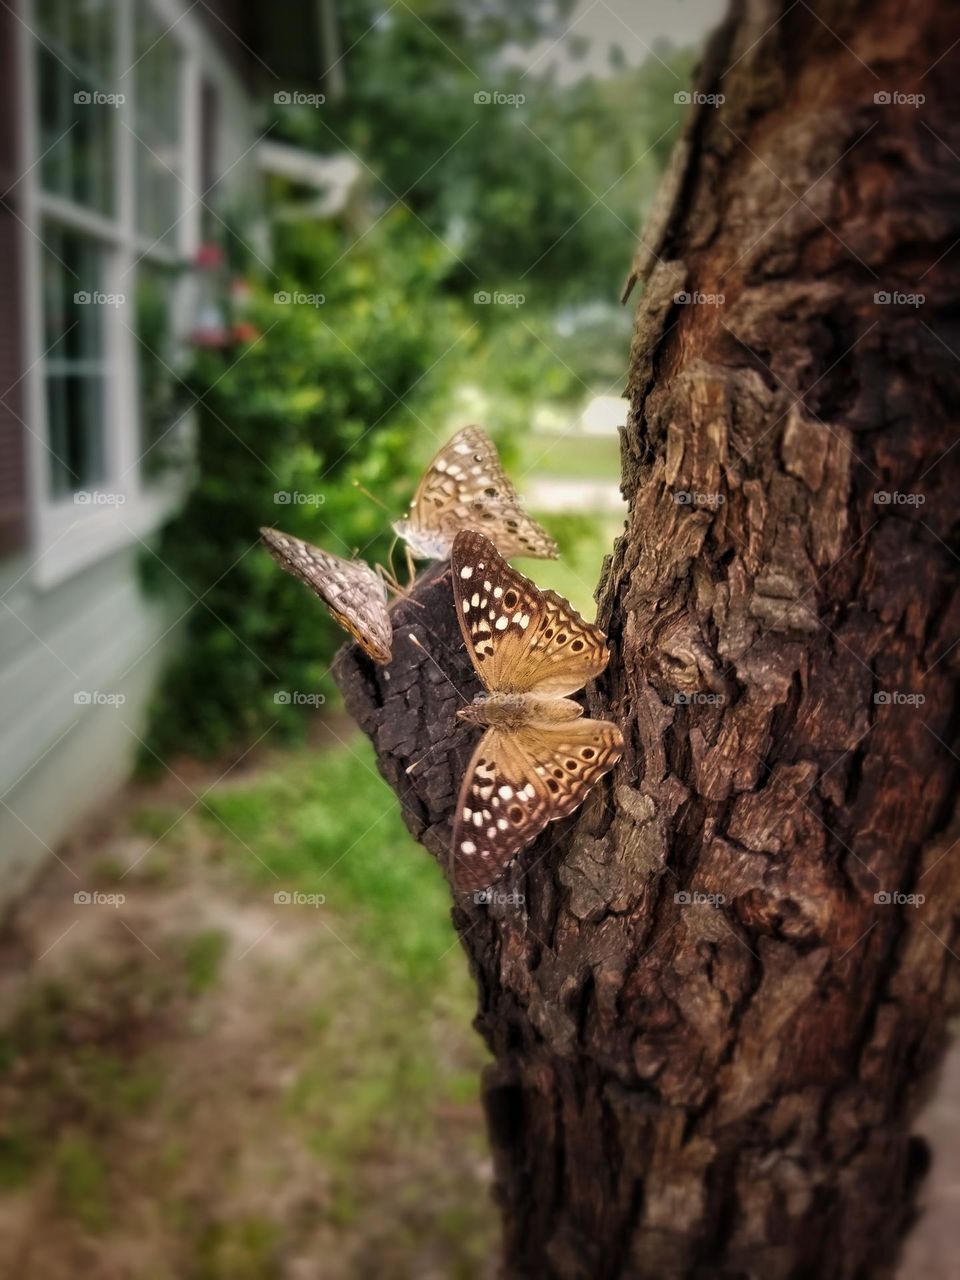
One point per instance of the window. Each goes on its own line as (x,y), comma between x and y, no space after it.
(74,368)
(111,108)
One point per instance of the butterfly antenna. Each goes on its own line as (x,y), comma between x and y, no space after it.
(396,539)
(413,640)
(417,763)
(375,500)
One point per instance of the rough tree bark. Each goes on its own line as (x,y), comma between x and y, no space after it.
(679,1088)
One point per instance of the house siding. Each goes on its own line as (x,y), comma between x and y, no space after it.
(96,634)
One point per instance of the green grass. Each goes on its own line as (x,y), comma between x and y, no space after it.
(244,1249)
(569,457)
(326,823)
(203,956)
(81,1180)
(18,1155)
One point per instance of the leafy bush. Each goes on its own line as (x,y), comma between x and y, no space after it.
(304,398)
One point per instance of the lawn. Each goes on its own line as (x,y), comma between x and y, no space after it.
(568,456)
(263,1057)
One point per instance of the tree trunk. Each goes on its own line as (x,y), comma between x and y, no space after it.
(711,1025)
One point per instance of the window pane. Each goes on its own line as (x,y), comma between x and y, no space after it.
(159,126)
(74,366)
(72,274)
(75,415)
(158,388)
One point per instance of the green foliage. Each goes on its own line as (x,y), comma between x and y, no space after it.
(546,191)
(325,394)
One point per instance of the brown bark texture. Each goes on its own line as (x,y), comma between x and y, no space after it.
(717,1010)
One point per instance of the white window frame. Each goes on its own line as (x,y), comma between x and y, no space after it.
(66,536)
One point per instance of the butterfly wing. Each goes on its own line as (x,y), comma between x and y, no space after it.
(354,594)
(520,639)
(517,783)
(465,487)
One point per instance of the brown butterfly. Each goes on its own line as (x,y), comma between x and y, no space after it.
(465,487)
(354,594)
(538,757)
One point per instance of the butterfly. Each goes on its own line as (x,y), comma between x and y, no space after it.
(465,487)
(539,756)
(354,594)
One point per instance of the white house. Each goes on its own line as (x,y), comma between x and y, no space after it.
(125,125)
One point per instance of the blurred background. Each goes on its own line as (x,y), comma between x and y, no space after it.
(253,253)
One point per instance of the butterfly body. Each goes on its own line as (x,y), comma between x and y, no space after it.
(514,710)
(539,755)
(465,487)
(423,544)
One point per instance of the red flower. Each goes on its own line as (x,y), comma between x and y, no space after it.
(209,257)
(244,331)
